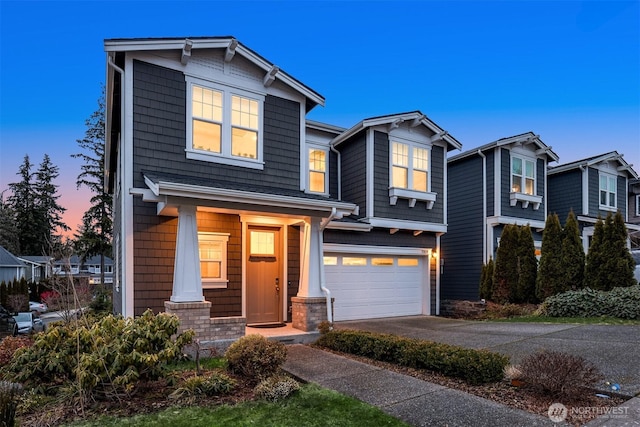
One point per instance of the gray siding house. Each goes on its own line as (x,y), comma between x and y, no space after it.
(11,268)
(232,209)
(592,188)
(503,182)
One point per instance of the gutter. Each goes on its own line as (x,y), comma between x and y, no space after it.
(323,287)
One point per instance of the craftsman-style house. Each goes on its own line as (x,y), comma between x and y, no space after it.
(233,209)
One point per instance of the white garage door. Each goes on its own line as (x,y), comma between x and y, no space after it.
(372,286)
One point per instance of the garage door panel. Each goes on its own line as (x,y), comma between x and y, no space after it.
(374,291)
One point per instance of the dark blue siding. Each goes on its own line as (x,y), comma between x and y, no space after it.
(462,244)
(353,156)
(159,116)
(490,183)
(380,237)
(594,193)
(565,193)
(621,188)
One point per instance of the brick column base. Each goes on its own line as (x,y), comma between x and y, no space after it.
(196,316)
(307,313)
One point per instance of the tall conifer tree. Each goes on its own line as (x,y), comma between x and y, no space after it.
(550,275)
(573,258)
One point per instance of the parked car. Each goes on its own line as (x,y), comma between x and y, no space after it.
(39,307)
(8,325)
(28,323)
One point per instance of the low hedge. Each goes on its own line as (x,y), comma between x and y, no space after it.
(473,366)
(623,303)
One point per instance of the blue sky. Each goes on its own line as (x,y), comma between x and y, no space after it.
(566,70)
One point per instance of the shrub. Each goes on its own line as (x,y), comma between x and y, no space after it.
(9,345)
(212,384)
(558,374)
(276,388)
(9,393)
(111,354)
(623,303)
(473,366)
(255,357)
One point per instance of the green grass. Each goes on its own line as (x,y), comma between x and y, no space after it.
(604,320)
(312,406)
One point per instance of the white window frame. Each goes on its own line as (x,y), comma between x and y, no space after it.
(607,206)
(326,169)
(519,196)
(222,281)
(638,205)
(225,156)
(409,193)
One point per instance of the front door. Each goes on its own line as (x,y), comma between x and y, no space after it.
(264,276)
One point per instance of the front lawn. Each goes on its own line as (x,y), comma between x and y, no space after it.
(310,406)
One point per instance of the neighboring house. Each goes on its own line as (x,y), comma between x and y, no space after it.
(90,268)
(231,206)
(503,182)
(634,211)
(37,267)
(592,188)
(11,268)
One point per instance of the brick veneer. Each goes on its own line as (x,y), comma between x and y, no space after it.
(196,316)
(308,312)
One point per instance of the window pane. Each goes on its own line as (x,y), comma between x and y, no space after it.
(603,182)
(206,104)
(244,143)
(263,243)
(407,262)
(206,136)
(516,185)
(330,260)
(516,166)
(317,160)
(316,182)
(612,185)
(400,154)
(354,261)
(244,112)
(529,186)
(210,269)
(612,200)
(528,169)
(399,177)
(419,180)
(420,159)
(603,197)
(382,261)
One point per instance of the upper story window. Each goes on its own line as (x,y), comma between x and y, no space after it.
(317,170)
(409,177)
(607,191)
(638,205)
(409,167)
(212,248)
(224,124)
(523,177)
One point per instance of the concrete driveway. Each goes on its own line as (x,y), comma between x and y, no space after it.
(615,349)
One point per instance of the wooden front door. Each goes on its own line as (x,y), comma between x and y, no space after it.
(264,275)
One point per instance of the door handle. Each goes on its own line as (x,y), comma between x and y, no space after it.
(277,284)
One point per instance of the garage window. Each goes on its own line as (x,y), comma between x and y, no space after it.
(382,261)
(331,260)
(353,261)
(407,262)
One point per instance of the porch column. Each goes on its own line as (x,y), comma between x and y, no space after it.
(187,282)
(311,261)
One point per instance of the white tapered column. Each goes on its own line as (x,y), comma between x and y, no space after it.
(312,257)
(187,283)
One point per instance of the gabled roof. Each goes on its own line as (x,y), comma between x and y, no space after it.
(233,46)
(394,120)
(594,160)
(523,138)
(7,259)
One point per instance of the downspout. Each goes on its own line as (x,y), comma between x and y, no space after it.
(323,287)
(484,206)
(332,148)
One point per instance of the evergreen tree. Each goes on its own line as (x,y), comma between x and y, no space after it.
(49,212)
(486,280)
(8,229)
(595,259)
(505,274)
(94,237)
(527,267)
(550,274)
(573,259)
(619,264)
(22,202)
